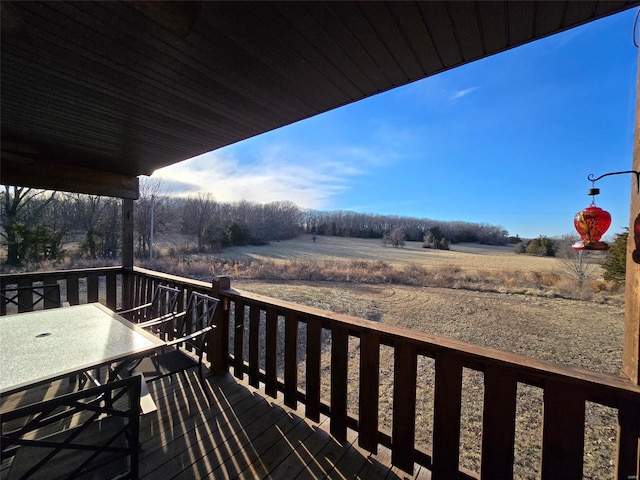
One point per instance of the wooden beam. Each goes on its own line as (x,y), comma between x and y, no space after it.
(631,352)
(37,173)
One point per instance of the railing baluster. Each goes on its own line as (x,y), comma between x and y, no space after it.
(312,375)
(112,284)
(498,423)
(339,365)
(628,465)
(138,292)
(73,289)
(404,405)
(238,341)
(369,390)
(291,360)
(446,417)
(25,297)
(92,287)
(562,431)
(254,346)
(50,297)
(271,353)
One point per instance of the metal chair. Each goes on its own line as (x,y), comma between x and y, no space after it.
(163,304)
(29,298)
(89,434)
(186,334)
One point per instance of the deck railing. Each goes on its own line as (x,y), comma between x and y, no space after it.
(289,347)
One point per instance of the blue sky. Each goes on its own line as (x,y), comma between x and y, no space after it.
(508,140)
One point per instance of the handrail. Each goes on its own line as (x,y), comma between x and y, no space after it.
(477,355)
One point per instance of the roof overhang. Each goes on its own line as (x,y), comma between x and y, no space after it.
(96,93)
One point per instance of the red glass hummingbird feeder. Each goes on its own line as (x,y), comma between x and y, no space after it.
(592,222)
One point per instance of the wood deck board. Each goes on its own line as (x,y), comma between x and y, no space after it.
(229,429)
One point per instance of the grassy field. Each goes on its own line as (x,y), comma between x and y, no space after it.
(485,295)
(337,249)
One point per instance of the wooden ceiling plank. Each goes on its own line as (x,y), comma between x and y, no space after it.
(125,76)
(409,17)
(98,115)
(105,87)
(549,19)
(302,52)
(359,26)
(270,57)
(350,46)
(233,70)
(394,40)
(521,21)
(493,24)
(439,26)
(467,29)
(576,12)
(34,88)
(210,58)
(344,71)
(606,7)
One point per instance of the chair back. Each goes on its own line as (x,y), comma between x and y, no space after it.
(165,301)
(27,298)
(195,325)
(92,432)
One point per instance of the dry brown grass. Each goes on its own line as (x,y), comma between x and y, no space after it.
(465,266)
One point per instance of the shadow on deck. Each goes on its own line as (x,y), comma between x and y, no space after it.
(239,433)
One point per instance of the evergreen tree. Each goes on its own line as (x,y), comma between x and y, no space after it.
(615,265)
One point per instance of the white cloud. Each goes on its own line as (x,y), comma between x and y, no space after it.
(463,93)
(309,178)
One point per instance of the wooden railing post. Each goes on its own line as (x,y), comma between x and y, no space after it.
(446,417)
(291,360)
(403,435)
(628,466)
(271,354)
(498,423)
(369,390)
(312,376)
(219,351)
(562,431)
(339,365)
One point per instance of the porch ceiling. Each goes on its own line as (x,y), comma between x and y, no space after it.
(94,94)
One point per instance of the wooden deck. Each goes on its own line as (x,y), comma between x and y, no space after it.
(229,429)
(239,433)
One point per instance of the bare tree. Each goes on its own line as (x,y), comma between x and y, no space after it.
(20,212)
(395,238)
(150,199)
(199,218)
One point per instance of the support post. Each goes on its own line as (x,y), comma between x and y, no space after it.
(127,253)
(631,353)
(628,439)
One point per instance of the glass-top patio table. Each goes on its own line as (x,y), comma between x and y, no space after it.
(42,346)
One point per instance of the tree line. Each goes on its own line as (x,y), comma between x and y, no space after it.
(36,224)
